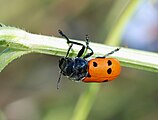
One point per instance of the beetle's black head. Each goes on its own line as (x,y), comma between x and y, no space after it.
(63,63)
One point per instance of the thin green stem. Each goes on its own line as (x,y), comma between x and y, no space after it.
(85,102)
(115,34)
(21,40)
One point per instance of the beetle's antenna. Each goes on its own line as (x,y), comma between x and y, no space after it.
(59,79)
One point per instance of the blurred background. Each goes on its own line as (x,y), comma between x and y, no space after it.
(28,85)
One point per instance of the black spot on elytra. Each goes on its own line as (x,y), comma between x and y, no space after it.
(109,71)
(88,75)
(95,64)
(105,81)
(109,62)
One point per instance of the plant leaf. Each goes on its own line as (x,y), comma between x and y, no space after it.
(8,55)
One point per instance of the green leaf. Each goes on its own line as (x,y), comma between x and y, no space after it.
(8,55)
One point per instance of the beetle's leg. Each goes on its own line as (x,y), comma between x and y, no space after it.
(87,47)
(80,53)
(69,50)
(117,49)
(62,34)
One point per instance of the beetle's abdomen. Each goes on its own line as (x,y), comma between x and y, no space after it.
(102,70)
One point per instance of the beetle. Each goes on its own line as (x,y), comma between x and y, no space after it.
(99,69)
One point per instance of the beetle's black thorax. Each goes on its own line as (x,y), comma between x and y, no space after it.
(74,68)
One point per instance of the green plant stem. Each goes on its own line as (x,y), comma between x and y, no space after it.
(85,102)
(20,40)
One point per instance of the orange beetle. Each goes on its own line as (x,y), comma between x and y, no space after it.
(99,69)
